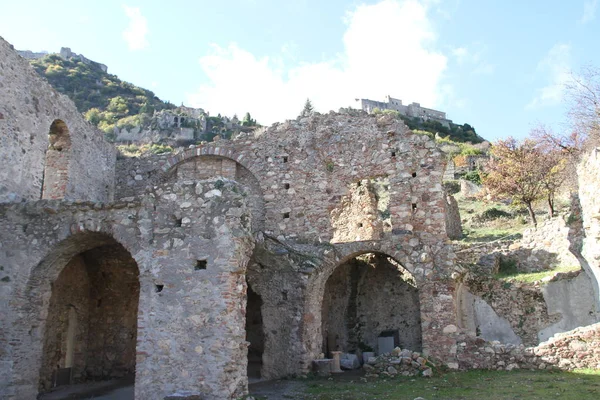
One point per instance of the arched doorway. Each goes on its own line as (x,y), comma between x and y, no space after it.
(91,320)
(254,334)
(56,167)
(370,303)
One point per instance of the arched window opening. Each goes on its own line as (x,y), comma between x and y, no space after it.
(57,160)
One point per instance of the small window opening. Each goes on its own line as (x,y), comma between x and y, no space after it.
(178,222)
(159,288)
(286,185)
(414,206)
(393,154)
(414,174)
(360,225)
(286,215)
(359,183)
(200,264)
(285,159)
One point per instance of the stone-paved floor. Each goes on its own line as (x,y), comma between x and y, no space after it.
(123,389)
(118,389)
(293,389)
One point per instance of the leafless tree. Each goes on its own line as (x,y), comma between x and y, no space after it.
(583,94)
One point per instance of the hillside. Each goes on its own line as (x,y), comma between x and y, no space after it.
(118,108)
(105,100)
(455,133)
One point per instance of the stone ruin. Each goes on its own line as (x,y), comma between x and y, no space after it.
(235,259)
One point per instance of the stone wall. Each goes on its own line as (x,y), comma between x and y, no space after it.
(524,313)
(553,243)
(114,295)
(62,348)
(571,297)
(92,318)
(497,310)
(453,222)
(190,320)
(576,349)
(28,109)
(193,222)
(588,173)
(368,297)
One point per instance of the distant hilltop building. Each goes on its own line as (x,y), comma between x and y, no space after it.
(412,110)
(65,53)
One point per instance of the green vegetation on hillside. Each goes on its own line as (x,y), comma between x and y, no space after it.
(485,221)
(105,100)
(509,275)
(457,133)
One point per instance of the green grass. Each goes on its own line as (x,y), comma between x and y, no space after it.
(535,276)
(489,234)
(475,230)
(476,385)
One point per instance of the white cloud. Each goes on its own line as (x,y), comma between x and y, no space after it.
(372,65)
(460,53)
(589,11)
(136,31)
(474,59)
(556,66)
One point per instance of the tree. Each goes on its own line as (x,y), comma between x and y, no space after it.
(514,171)
(560,154)
(118,105)
(93,116)
(308,109)
(248,121)
(583,92)
(553,166)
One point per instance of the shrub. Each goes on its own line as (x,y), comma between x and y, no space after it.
(473,176)
(507,266)
(451,187)
(493,213)
(160,149)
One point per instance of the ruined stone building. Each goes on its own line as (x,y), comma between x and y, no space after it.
(413,110)
(239,258)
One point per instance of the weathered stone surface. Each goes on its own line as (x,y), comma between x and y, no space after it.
(349,361)
(194,221)
(588,173)
(569,350)
(29,107)
(453,222)
(234,252)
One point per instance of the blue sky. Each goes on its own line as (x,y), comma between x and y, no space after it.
(498,65)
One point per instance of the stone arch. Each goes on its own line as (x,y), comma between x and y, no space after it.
(316,289)
(210,150)
(66,294)
(213,162)
(58,155)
